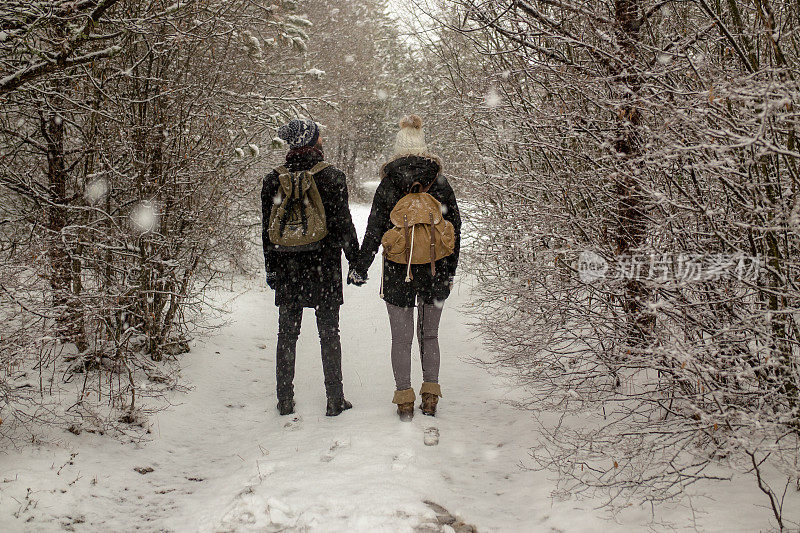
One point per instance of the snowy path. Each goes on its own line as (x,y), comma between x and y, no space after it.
(223,460)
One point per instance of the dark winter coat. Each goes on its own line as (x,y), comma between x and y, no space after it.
(398,178)
(311,279)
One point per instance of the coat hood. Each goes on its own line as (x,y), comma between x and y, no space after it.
(405,170)
(303,158)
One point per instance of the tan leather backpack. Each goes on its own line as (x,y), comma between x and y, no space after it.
(420,234)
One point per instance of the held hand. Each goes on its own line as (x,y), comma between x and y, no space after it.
(272,279)
(354,278)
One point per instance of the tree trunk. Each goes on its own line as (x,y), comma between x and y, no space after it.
(63,270)
(631,203)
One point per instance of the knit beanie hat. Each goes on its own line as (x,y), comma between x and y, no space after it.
(411,137)
(411,142)
(299,133)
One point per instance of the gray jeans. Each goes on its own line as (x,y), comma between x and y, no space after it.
(401,321)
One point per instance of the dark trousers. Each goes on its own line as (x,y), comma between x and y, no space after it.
(289,320)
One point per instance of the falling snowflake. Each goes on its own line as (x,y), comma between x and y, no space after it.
(381,94)
(505,133)
(239,153)
(349,58)
(96,191)
(254,151)
(492,98)
(698,58)
(144,217)
(491,454)
(665,59)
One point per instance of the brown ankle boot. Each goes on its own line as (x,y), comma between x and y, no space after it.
(428,405)
(405,411)
(405,403)
(430,392)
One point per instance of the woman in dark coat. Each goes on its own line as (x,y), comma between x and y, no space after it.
(412,164)
(310,278)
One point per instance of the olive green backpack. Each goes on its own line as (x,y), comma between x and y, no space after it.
(297,220)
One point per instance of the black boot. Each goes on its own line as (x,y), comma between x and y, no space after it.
(336,406)
(286,407)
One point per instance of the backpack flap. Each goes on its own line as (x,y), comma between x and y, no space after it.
(417,207)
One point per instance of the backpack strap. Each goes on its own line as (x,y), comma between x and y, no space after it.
(421,188)
(316,169)
(293,199)
(433,247)
(319,167)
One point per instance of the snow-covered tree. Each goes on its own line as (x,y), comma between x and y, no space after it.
(366,73)
(123,193)
(650,131)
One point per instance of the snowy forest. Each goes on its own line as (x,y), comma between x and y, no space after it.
(622,348)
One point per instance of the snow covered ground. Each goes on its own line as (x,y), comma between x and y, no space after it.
(223,460)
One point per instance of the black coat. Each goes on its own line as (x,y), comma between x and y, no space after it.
(399,177)
(311,279)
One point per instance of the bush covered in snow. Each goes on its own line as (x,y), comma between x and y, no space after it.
(657,130)
(121,203)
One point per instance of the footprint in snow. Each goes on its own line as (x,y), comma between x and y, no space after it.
(293,424)
(265,468)
(249,510)
(431,437)
(402,460)
(445,521)
(328,456)
(281,516)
